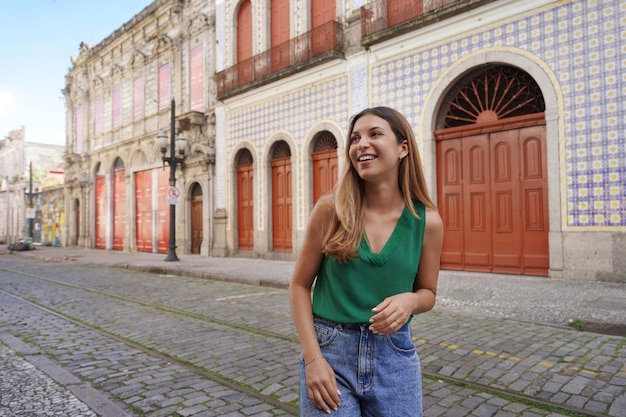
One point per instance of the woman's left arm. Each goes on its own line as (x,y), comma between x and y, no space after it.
(425,286)
(393,312)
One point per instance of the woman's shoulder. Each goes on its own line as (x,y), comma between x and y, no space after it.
(434,223)
(322,213)
(325,205)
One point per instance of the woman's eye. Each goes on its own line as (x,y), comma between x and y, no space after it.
(354,139)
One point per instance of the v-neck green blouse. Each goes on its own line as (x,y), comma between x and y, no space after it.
(346,293)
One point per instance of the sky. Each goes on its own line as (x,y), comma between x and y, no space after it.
(37,40)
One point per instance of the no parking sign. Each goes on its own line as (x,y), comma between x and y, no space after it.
(173,195)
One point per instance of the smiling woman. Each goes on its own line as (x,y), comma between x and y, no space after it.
(372,249)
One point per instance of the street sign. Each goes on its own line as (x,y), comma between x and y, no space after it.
(30,212)
(173,195)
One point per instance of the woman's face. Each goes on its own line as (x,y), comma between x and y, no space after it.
(374,149)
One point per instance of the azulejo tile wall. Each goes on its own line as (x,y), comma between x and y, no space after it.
(294,112)
(584,43)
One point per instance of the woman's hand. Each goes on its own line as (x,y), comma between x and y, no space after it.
(393,313)
(322,384)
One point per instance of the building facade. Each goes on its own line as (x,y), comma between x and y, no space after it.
(152,75)
(515,105)
(26,169)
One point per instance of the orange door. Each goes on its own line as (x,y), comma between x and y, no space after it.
(245,207)
(450,197)
(244,43)
(143,208)
(281,204)
(534,198)
(196,224)
(506,205)
(493,199)
(476,213)
(163,212)
(325,172)
(119,209)
(280,34)
(322,11)
(399,11)
(100,212)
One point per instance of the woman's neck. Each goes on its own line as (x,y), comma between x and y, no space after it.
(383,197)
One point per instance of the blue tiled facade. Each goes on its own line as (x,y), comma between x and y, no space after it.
(582,42)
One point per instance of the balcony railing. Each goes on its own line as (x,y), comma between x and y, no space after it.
(382,19)
(322,43)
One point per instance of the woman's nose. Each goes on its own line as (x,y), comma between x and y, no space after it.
(363,143)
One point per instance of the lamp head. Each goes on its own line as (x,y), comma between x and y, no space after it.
(181,144)
(162,141)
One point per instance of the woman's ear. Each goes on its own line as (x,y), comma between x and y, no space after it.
(405,150)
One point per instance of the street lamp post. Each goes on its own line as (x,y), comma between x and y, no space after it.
(173,161)
(31,218)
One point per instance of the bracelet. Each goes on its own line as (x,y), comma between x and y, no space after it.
(312,360)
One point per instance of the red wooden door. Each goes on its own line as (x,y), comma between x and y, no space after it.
(279,34)
(245,207)
(196,224)
(143,210)
(322,11)
(534,190)
(244,43)
(100,212)
(119,209)
(163,212)
(281,204)
(399,11)
(476,197)
(493,199)
(325,172)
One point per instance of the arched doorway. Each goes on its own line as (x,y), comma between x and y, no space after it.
(245,200)
(325,168)
(163,211)
(196,218)
(100,211)
(492,174)
(76,222)
(281,197)
(119,205)
(143,210)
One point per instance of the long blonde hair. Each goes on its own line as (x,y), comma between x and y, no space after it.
(345,231)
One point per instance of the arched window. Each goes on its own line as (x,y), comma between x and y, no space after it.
(494,93)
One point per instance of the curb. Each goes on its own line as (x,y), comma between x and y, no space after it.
(94,399)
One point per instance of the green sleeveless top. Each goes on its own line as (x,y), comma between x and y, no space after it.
(346,293)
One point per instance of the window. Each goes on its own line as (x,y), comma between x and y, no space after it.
(138,99)
(97,117)
(196,84)
(117,108)
(78,132)
(164,86)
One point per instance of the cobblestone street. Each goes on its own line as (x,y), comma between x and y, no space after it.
(150,344)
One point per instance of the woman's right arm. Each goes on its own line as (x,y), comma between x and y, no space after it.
(321,381)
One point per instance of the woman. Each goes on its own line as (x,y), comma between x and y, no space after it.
(372,249)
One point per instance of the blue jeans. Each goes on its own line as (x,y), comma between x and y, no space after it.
(378,375)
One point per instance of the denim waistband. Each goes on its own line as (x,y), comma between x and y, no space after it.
(353,326)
